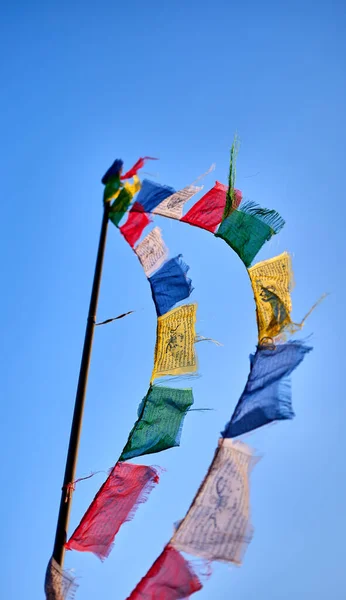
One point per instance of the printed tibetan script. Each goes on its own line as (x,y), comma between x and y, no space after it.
(217,526)
(174,351)
(152,251)
(172,206)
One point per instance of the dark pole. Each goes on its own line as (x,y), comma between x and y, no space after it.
(71,461)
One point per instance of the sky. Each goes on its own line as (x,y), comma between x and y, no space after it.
(84,83)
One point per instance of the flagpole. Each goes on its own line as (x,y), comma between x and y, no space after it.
(72,454)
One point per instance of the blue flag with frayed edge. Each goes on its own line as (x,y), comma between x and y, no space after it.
(170,284)
(151,194)
(267,394)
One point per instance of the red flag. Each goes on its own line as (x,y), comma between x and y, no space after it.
(138,165)
(170,578)
(135,224)
(127,486)
(208,212)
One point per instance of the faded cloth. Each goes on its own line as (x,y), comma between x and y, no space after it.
(217,525)
(170,285)
(170,578)
(172,207)
(152,251)
(59,584)
(267,394)
(160,421)
(175,339)
(116,502)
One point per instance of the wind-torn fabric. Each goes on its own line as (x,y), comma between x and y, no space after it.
(116,502)
(170,285)
(136,222)
(160,421)
(59,584)
(271,282)
(233,196)
(207,213)
(175,339)
(267,394)
(152,194)
(248,228)
(152,251)
(123,200)
(114,171)
(217,525)
(172,207)
(136,167)
(170,578)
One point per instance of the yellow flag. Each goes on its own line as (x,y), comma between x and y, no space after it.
(175,338)
(271,282)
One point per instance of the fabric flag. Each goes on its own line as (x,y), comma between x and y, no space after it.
(271,282)
(152,194)
(138,165)
(135,224)
(126,487)
(170,284)
(123,200)
(160,421)
(113,171)
(217,525)
(267,394)
(207,213)
(172,207)
(175,338)
(248,228)
(111,181)
(170,578)
(152,251)
(59,584)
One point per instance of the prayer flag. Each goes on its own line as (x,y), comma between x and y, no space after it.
(172,207)
(135,224)
(152,251)
(217,525)
(170,284)
(59,584)
(267,394)
(160,421)
(271,282)
(248,228)
(116,502)
(138,165)
(170,578)
(207,213)
(175,338)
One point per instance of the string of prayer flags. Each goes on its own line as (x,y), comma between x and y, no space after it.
(126,487)
(152,251)
(267,394)
(160,421)
(217,525)
(136,222)
(170,285)
(171,577)
(271,282)
(152,194)
(207,213)
(175,338)
(136,167)
(123,200)
(248,228)
(59,584)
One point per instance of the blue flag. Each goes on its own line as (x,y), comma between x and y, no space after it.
(170,284)
(267,394)
(151,194)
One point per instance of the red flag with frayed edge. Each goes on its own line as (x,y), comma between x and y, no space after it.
(138,165)
(208,212)
(116,502)
(135,224)
(170,578)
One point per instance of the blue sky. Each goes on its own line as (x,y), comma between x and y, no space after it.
(83,83)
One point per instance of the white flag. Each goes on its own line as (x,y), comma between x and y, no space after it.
(152,251)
